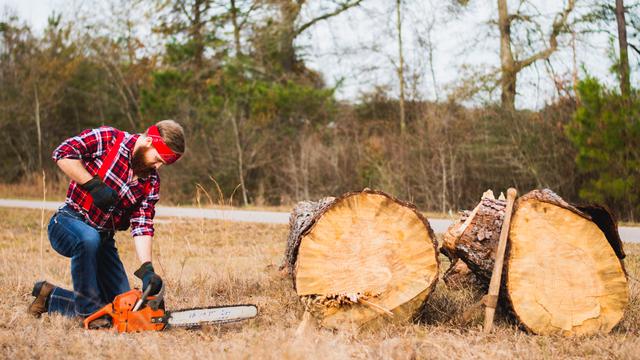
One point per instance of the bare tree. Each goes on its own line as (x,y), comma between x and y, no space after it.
(510,65)
(38,127)
(236,26)
(625,83)
(400,66)
(289,29)
(237,112)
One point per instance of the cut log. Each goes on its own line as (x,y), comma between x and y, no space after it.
(474,239)
(564,272)
(580,286)
(361,259)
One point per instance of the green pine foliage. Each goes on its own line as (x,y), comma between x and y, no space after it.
(606,132)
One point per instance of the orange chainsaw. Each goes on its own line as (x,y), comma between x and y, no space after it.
(135,311)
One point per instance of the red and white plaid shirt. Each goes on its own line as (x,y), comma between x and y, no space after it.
(133,207)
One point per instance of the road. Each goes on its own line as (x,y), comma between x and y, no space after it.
(627,233)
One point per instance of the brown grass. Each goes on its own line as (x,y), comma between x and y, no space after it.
(31,189)
(214,262)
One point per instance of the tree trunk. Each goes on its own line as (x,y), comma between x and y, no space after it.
(238,110)
(239,153)
(625,83)
(401,66)
(509,65)
(443,167)
(361,259)
(288,31)
(574,67)
(507,62)
(197,31)
(289,10)
(236,28)
(563,269)
(38,127)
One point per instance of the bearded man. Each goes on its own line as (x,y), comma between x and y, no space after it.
(114,185)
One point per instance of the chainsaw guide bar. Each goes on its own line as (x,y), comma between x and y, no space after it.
(135,311)
(210,315)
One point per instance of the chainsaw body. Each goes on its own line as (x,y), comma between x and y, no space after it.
(125,319)
(135,311)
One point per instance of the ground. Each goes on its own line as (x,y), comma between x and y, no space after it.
(214,262)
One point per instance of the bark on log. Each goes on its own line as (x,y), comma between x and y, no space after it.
(474,238)
(302,217)
(563,272)
(361,260)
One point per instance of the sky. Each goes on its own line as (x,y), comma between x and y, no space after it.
(358,49)
(34,11)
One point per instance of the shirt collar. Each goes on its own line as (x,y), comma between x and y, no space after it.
(129,143)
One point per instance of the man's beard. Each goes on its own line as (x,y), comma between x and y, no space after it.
(139,167)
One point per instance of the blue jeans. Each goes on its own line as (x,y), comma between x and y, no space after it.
(96,270)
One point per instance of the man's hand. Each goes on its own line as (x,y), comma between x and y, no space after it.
(103,196)
(149,278)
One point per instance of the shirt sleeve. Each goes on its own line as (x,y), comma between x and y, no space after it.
(142,218)
(90,143)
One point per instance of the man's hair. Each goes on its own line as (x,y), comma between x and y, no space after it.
(173,135)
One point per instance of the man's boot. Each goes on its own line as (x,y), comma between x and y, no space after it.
(41,290)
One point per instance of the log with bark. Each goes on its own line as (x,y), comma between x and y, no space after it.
(563,270)
(362,259)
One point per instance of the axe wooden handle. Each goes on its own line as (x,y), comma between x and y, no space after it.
(496,276)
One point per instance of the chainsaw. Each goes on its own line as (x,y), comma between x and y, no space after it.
(136,311)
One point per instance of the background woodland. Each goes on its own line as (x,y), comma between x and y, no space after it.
(269,129)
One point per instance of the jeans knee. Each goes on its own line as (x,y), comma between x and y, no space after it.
(89,243)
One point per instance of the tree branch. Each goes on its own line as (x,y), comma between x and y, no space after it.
(520,17)
(558,23)
(345,6)
(185,12)
(254,6)
(634,48)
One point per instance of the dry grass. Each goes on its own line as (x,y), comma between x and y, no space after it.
(213,262)
(31,189)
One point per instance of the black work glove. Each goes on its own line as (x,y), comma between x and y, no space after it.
(149,278)
(103,196)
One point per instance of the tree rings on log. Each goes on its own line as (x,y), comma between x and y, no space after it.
(563,270)
(563,276)
(362,259)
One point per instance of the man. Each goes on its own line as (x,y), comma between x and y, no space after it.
(114,185)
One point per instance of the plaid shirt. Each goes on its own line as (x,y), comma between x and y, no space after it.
(133,207)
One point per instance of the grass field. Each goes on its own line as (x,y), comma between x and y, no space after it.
(211,262)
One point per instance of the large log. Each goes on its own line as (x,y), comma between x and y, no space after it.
(564,272)
(361,259)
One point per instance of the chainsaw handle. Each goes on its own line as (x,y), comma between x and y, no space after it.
(158,298)
(143,299)
(154,303)
(107,310)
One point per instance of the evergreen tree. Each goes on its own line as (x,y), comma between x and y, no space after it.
(606,133)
